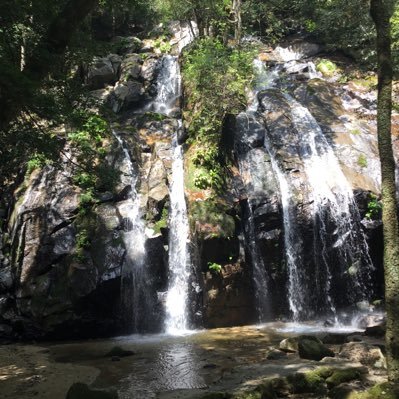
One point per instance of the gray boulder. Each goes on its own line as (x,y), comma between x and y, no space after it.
(364,353)
(103,71)
(125,94)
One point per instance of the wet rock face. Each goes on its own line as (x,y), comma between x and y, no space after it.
(228,298)
(50,284)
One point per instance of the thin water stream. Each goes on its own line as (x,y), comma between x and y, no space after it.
(134,290)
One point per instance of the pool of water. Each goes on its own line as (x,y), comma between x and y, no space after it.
(165,366)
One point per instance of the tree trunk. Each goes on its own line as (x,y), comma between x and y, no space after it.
(381,11)
(236,9)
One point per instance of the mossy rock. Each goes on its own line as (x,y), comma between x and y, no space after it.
(263,391)
(82,391)
(327,68)
(212,218)
(385,390)
(313,349)
(310,382)
(345,375)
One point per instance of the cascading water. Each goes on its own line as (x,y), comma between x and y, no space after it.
(250,163)
(336,217)
(292,239)
(338,238)
(135,295)
(168,87)
(167,102)
(179,259)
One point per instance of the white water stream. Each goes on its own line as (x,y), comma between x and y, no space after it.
(166,102)
(333,201)
(135,293)
(333,204)
(179,258)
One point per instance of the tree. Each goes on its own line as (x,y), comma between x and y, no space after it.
(43,59)
(381,12)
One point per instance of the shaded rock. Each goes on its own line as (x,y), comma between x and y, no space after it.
(83,391)
(312,348)
(354,338)
(334,339)
(210,366)
(363,353)
(276,355)
(6,280)
(103,71)
(375,331)
(117,351)
(131,67)
(344,390)
(5,331)
(289,345)
(128,45)
(125,94)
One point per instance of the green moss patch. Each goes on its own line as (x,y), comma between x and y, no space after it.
(209,218)
(379,391)
(327,68)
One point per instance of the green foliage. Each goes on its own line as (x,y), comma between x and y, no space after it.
(271,20)
(162,223)
(374,207)
(214,267)
(215,77)
(89,143)
(162,43)
(93,173)
(362,161)
(37,161)
(384,390)
(326,67)
(82,243)
(213,214)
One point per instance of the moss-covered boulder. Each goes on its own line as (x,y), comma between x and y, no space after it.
(310,382)
(379,391)
(344,375)
(312,348)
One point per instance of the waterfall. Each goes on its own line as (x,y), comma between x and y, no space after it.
(341,262)
(292,239)
(168,87)
(333,205)
(179,259)
(135,295)
(260,276)
(167,102)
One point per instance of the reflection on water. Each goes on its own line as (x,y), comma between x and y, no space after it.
(174,366)
(163,363)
